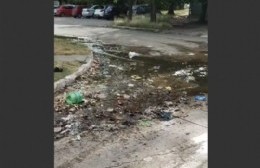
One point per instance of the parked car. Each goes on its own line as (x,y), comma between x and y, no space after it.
(141,9)
(77,11)
(55,11)
(99,13)
(65,10)
(110,12)
(89,12)
(56,5)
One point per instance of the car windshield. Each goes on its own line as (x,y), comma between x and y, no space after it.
(109,7)
(92,7)
(134,7)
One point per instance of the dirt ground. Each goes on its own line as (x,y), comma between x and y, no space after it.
(138,112)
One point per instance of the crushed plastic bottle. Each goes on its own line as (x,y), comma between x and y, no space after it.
(200,98)
(74,98)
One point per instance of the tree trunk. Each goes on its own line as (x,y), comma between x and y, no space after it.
(153,11)
(171,8)
(130,14)
(203,12)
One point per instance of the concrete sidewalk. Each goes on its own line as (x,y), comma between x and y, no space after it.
(69,58)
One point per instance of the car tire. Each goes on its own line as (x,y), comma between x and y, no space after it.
(62,15)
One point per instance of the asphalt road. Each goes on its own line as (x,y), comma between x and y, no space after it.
(82,21)
(170,43)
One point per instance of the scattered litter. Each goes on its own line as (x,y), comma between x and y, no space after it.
(68,118)
(118,67)
(126,96)
(168,88)
(68,126)
(133,54)
(183,73)
(202,69)
(200,98)
(203,74)
(166,116)
(190,78)
(190,53)
(74,98)
(57,129)
(110,110)
(65,131)
(131,85)
(133,93)
(168,103)
(156,67)
(136,77)
(149,80)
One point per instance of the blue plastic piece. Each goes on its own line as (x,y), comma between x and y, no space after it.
(200,98)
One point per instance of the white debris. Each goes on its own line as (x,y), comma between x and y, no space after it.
(110,110)
(69,117)
(156,67)
(202,68)
(126,96)
(202,71)
(78,137)
(68,126)
(203,74)
(190,78)
(131,85)
(118,67)
(190,53)
(182,73)
(133,54)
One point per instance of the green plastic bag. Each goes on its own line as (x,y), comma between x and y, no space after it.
(74,98)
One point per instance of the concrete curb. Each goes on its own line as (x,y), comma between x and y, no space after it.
(136,28)
(68,80)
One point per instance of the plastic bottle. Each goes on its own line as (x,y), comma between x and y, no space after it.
(74,98)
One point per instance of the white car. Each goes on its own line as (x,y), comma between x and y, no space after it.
(99,13)
(89,12)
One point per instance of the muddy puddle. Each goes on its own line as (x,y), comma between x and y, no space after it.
(122,90)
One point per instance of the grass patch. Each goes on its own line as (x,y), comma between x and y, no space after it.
(68,68)
(143,21)
(66,46)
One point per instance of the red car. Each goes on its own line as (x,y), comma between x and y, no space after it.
(77,10)
(65,10)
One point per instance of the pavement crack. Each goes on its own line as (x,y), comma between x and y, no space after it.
(122,163)
(192,122)
(141,160)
